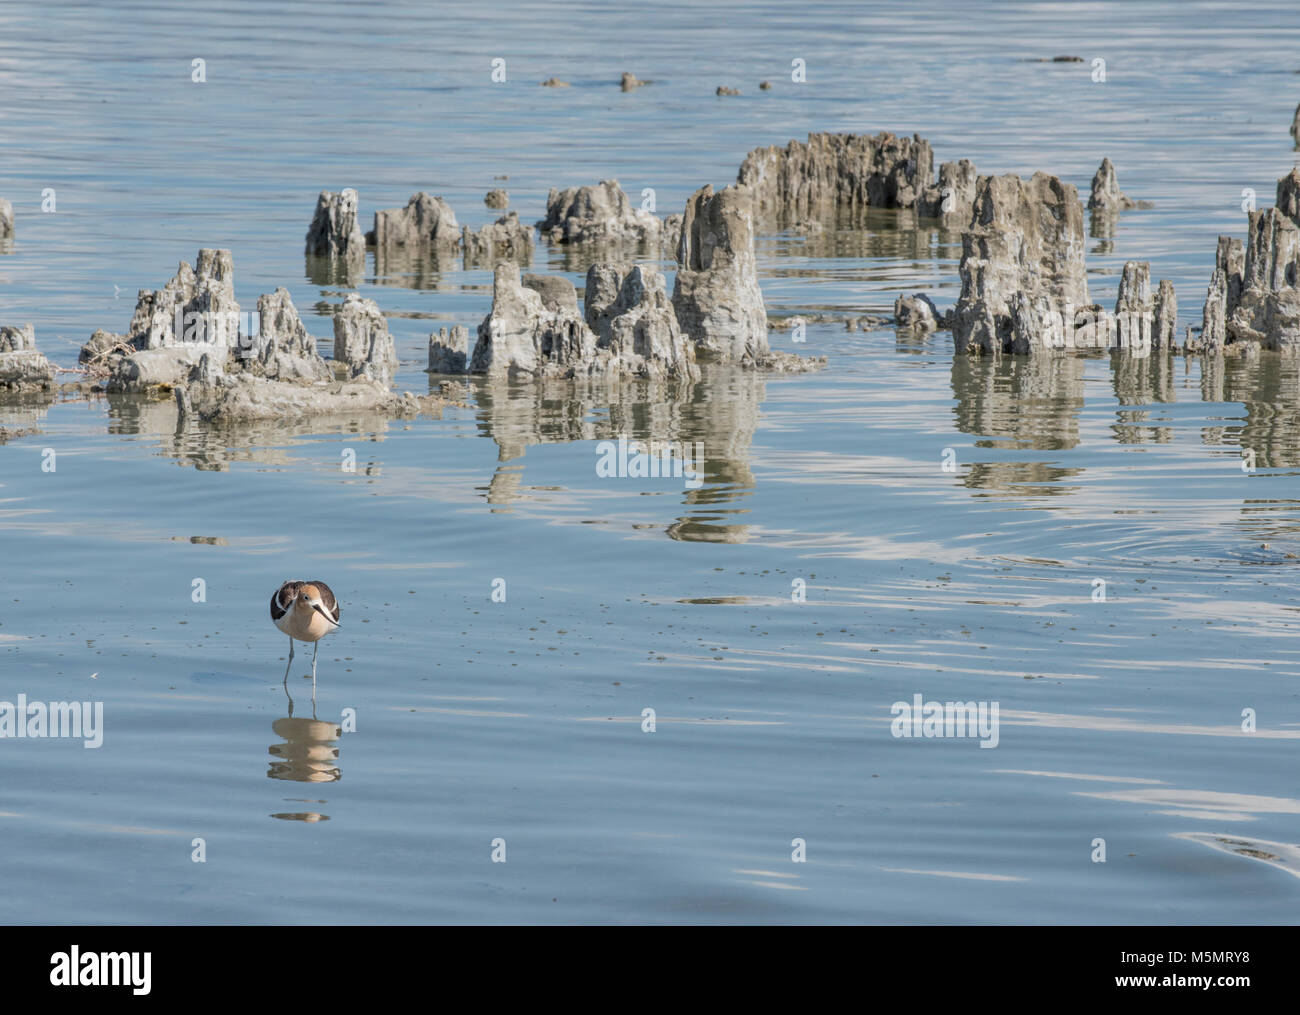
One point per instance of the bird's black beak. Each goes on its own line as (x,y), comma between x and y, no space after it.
(319,609)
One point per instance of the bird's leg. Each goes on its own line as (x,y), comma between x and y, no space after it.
(315,649)
(286,678)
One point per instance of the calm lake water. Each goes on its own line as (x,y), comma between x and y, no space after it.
(521,720)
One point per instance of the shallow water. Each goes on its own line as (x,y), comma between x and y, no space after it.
(522,720)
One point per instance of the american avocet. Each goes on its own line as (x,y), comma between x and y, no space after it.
(306,611)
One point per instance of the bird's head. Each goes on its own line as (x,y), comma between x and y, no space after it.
(309,600)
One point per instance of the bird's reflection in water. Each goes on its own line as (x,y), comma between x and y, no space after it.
(301,816)
(308,753)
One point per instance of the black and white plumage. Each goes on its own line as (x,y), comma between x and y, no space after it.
(305,611)
(316,594)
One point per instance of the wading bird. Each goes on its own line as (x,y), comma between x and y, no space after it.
(305,611)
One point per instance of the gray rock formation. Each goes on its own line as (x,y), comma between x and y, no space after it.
(596,214)
(335,230)
(1022,266)
(198,301)
(193,313)
(1272,252)
(245,398)
(1230,257)
(1260,298)
(716,294)
(672,233)
(1087,327)
(25,371)
(1268,310)
(427,223)
(270,372)
(154,368)
(100,347)
(207,370)
(853,171)
(17,338)
(153,325)
(282,349)
(953,197)
(628,308)
(1164,331)
(213,303)
(520,336)
(449,351)
(6,220)
(558,294)
(1295,126)
(1135,309)
(1106,195)
(496,198)
(1213,316)
(604,283)
(505,239)
(1288,195)
(630,328)
(22,367)
(916,313)
(362,342)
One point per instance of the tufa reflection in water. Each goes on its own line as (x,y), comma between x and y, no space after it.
(1034,402)
(1018,403)
(212,447)
(1140,382)
(865,233)
(426,269)
(718,413)
(1267,385)
(23,414)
